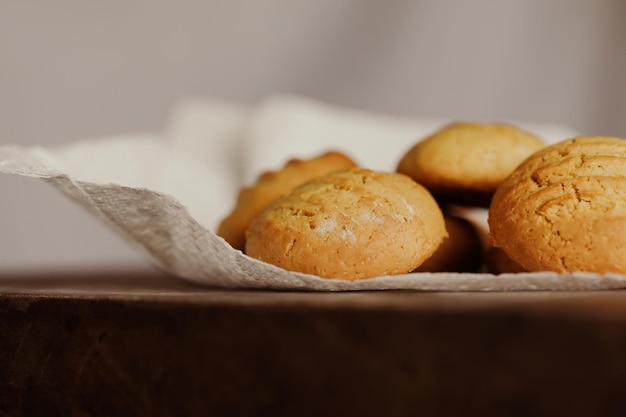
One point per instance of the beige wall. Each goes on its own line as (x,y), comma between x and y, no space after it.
(73,69)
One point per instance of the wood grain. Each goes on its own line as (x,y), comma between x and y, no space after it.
(145,344)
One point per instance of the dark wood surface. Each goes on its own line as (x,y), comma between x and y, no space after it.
(114,343)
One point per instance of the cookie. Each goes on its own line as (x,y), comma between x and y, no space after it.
(251,201)
(464,163)
(350,225)
(460,252)
(498,262)
(564,208)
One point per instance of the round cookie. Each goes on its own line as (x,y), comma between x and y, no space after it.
(498,262)
(564,208)
(251,201)
(460,252)
(350,225)
(464,163)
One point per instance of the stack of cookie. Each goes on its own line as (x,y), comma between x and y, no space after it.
(328,217)
(462,165)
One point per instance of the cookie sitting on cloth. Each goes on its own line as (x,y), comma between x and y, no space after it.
(176,234)
(564,208)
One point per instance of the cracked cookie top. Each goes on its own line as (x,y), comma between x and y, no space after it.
(351,225)
(270,185)
(564,208)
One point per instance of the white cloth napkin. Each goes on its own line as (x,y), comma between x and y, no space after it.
(284,127)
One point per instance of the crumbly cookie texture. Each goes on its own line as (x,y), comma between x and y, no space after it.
(464,163)
(564,208)
(351,225)
(270,185)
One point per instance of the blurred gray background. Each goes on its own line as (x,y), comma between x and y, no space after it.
(73,69)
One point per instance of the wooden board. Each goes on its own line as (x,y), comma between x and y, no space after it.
(144,344)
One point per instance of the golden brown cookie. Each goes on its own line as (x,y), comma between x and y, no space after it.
(498,262)
(350,225)
(251,201)
(564,208)
(464,163)
(461,252)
